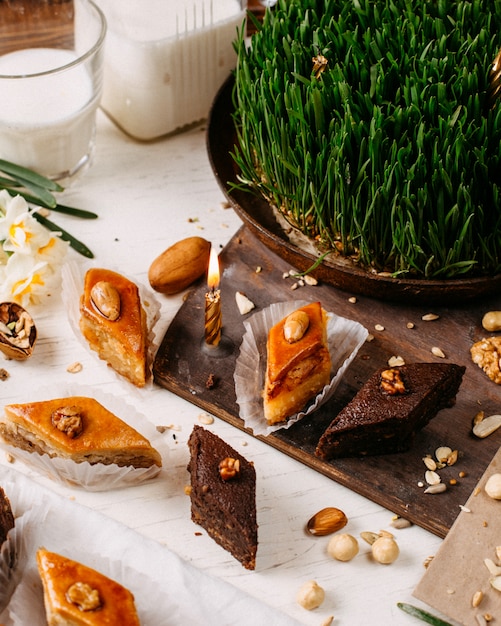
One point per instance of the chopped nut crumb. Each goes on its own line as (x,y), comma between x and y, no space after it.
(379,327)
(352,300)
(430,317)
(428,560)
(410,325)
(74,368)
(205,418)
(210,383)
(396,361)
(436,351)
(259,269)
(4,374)
(310,280)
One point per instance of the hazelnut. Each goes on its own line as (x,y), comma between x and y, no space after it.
(342,547)
(310,596)
(385,550)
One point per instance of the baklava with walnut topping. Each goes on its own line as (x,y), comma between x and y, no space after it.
(76,428)
(77,595)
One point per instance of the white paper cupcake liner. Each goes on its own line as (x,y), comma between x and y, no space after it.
(14,548)
(73,275)
(44,527)
(167,589)
(344,336)
(27,605)
(93,477)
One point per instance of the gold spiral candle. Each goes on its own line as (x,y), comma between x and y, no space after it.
(213,317)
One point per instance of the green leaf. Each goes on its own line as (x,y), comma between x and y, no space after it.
(422,615)
(74,243)
(24,174)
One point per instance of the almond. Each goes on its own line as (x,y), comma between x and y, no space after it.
(326,522)
(180,265)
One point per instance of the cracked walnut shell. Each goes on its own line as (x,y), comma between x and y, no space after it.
(18,332)
(486,353)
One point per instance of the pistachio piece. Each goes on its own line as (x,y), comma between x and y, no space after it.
(17,331)
(326,522)
(106,299)
(295,326)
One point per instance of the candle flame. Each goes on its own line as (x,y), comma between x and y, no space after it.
(213,273)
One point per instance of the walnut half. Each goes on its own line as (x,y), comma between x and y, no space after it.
(17,331)
(68,419)
(229,468)
(83,596)
(392,383)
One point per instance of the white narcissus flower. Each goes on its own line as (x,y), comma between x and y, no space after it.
(30,255)
(19,230)
(26,281)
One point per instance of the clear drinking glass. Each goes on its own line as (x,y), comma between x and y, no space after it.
(51,75)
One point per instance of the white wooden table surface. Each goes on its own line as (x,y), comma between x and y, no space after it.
(149,196)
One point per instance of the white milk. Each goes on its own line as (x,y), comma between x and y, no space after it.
(165,61)
(46,121)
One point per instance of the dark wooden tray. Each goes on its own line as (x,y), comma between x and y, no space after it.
(183,367)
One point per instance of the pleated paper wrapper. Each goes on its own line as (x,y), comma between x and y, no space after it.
(344,337)
(166,589)
(12,549)
(93,477)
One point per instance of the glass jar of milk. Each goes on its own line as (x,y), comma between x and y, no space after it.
(165,61)
(51,65)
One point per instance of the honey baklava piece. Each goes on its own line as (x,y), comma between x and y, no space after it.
(113,321)
(298,362)
(77,595)
(76,428)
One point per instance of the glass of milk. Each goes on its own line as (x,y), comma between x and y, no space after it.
(165,61)
(51,75)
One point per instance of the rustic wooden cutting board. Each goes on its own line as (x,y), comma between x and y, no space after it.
(183,367)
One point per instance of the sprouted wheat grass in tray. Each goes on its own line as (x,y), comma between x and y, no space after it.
(370,127)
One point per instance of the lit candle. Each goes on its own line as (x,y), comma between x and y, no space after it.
(213,321)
